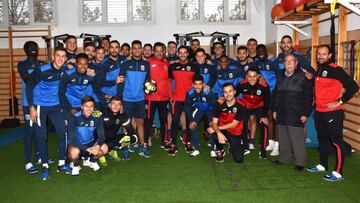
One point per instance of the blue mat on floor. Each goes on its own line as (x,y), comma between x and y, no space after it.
(11,136)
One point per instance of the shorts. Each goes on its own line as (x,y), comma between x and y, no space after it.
(134,109)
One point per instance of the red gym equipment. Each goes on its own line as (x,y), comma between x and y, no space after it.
(277,11)
(292,4)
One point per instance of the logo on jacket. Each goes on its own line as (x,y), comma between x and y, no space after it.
(153,65)
(92,123)
(234,110)
(117,121)
(50,77)
(246,68)
(267,67)
(111,66)
(188,68)
(324,73)
(231,75)
(203,99)
(86,82)
(142,67)
(130,67)
(205,70)
(258,92)
(73,80)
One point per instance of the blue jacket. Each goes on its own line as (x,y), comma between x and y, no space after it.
(99,76)
(208,72)
(242,68)
(302,62)
(268,71)
(25,68)
(111,72)
(224,76)
(83,130)
(73,87)
(43,87)
(202,102)
(136,72)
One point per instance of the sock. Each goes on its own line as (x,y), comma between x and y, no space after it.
(61,162)
(251,141)
(183,131)
(76,163)
(92,159)
(45,165)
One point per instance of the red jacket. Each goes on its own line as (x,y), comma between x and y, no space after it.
(329,82)
(159,73)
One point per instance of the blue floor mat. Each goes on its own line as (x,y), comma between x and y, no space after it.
(11,136)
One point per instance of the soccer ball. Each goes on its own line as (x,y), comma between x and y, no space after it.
(150,87)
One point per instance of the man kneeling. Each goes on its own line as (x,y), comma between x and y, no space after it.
(227,123)
(82,129)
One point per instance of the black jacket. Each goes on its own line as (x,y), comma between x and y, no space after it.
(293,98)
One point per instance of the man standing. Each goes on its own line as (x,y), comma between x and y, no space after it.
(293,97)
(136,71)
(329,115)
(42,92)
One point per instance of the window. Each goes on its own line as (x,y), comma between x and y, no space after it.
(213,11)
(116,11)
(27,12)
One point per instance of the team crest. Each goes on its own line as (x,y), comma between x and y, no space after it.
(92,123)
(142,67)
(188,68)
(86,82)
(130,67)
(234,110)
(203,99)
(267,67)
(246,68)
(231,75)
(258,92)
(205,70)
(27,117)
(117,121)
(324,73)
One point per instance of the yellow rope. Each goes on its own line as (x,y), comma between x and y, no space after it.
(332,7)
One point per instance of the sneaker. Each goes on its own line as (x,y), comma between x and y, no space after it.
(188,148)
(262,155)
(75,171)
(275,151)
(30,168)
(95,166)
(183,138)
(299,168)
(270,147)
(333,176)
(167,140)
(195,153)
(86,162)
(173,150)
(102,161)
(64,168)
(45,174)
(114,155)
(132,148)
(251,146)
(125,154)
(316,168)
(246,151)
(212,154)
(220,156)
(165,146)
(144,152)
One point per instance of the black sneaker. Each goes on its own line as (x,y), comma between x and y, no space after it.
(173,150)
(220,156)
(299,168)
(188,148)
(277,162)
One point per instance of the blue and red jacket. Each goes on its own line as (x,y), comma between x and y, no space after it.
(226,76)
(159,73)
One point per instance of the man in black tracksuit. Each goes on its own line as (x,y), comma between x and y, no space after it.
(330,81)
(293,96)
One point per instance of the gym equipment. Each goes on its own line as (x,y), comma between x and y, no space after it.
(292,4)
(224,38)
(277,11)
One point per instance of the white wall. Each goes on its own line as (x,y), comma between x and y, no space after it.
(164,27)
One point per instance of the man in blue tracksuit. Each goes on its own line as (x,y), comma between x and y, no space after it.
(135,72)
(86,134)
(42,92)
(25,68)
(198,105)
(110,79)
(75,84)
(207,71)
(243,61)
(226,74)
(98,67)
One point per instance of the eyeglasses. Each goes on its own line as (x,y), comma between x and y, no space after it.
(290,61)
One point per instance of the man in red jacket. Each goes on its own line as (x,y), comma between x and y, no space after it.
(159,69)
(182,73)
(329,115)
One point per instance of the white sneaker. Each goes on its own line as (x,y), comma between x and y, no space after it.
(86,162)
(251,146)
(75,170)
(212,154)
(270,147)
(71,165)
(246,151)
(195,153)
(275,151)
(95,166)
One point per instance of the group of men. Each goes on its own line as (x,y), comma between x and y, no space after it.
(97,106)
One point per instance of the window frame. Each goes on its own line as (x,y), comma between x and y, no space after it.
(104,20)
(32,22)
(202,19)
